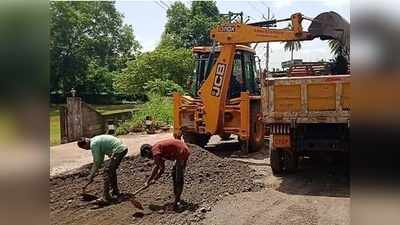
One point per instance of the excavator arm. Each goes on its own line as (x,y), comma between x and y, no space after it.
(214,91)
(239,33)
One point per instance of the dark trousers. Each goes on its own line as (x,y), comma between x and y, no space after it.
(110,174)
(178,178)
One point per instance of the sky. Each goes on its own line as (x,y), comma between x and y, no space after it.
(148,19)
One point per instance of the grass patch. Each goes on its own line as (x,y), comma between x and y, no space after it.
(158,108)
(55,132)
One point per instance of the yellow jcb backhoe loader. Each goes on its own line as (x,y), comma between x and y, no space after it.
(226,98)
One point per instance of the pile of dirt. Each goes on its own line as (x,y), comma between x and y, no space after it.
(208,179)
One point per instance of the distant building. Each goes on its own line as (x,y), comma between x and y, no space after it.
(287,64)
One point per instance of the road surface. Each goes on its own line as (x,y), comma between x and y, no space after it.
(319,193)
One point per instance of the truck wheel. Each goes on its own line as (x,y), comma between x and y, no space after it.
(282,161)
(194,138)
(244,146)
(289,161)
(256,139)
(276,161)
(225,136)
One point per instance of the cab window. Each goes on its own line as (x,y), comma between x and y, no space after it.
(249,74)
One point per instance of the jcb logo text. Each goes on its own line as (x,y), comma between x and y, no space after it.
(218,80)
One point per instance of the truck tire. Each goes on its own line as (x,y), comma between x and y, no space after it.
(194,138)
(283,161)
(290,161)
(256,139)
(276,161)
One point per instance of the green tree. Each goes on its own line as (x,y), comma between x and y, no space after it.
(337,48)
(190,27)
(165,63)
(162,87)
(99,79)
(84,34)
(292,45)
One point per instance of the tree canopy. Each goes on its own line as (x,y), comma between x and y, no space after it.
(166,63)
(190,27)
(169,66)
(92,50)
(292,45)
(88,41)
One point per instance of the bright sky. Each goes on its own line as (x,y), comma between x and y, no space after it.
(148,19)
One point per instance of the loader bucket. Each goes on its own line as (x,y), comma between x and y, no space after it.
(330,25)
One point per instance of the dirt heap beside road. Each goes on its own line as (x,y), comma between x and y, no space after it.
(208,179)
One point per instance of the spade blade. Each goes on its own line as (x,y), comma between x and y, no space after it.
(136,203)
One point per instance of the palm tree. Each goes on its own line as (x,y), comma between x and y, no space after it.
(292,45)
(341,46)
(338,49)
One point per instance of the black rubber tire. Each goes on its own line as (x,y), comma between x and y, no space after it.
(256,139)
(283,161)
(244,146)
(194,138)
(225,136)
(276,161)
(290,161)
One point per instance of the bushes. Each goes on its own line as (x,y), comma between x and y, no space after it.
(158,108)
(163,64)
(163,87)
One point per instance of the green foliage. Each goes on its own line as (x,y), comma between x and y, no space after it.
(292,45)
(87,36)
(169,66)
(338,49)
(190,27)
(55,130)
(99,79)
(165,63)
(163,87)
(123,128)
(158,108)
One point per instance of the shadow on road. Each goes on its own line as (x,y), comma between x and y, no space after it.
(318,178)
(231,149)
(314,177)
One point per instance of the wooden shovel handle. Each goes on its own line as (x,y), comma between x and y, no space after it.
(140,190)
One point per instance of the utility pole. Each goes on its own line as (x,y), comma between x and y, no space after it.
(267,47)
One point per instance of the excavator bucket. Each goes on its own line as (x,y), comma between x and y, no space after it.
(330,25)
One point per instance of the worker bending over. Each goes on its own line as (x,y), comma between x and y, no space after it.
(170,149)
(112,147)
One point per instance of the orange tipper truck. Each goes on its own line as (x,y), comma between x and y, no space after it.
(306,116)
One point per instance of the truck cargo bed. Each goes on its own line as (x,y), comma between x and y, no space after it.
(311,99)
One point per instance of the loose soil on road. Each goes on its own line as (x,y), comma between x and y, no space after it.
(317,194)
(208,179)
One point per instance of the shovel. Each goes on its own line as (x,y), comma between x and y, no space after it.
(132,199)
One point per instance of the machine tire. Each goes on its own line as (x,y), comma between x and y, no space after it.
(283,161)
(289,161)
(256,139)
(244,146)
(194,138)
(225,136)
(276,161)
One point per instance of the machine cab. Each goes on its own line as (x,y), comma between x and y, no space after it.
(244,72)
